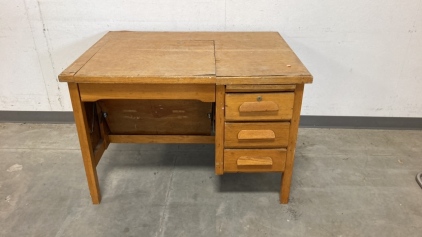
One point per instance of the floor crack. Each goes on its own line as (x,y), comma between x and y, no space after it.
(164,213)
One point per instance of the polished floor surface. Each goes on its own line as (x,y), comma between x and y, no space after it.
(345,183)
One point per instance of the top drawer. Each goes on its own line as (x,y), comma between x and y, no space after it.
(259,106)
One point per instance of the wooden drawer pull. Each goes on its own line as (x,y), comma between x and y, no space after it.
(256,135)
(261,106)
(254,160)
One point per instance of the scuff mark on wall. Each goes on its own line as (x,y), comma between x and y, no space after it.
(49,50)
(37,50)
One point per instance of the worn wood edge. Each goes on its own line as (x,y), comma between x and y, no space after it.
(262,80)
(68,74)
(176,139)
(290,156)
(208,79)
(148,80)
(300,61)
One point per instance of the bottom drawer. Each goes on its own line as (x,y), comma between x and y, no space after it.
(254,160)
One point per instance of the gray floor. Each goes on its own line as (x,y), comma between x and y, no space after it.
(345,183)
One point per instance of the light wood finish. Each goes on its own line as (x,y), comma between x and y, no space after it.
(257,62)
(219,129)
(259,88)
(94,92)
(258,156)
(122,59)
(84,141)
(93,124)
(161,139)
(157,117)
(256,55)
(259,106)
(263,80)
(104,129)
(287,175)
(256,135)
(189,57)
(253,161)
(98,152)
(181,87)
(265,134)
(68,74)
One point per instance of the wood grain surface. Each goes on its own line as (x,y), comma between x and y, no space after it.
(259,106)
(189,57)
(259,157)
(256,135)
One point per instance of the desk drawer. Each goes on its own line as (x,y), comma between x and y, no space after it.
(256,135)
(259,106)
(119,91)
(254,160)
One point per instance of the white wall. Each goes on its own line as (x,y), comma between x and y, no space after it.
(366,56)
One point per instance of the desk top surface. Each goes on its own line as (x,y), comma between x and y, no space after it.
(188,57)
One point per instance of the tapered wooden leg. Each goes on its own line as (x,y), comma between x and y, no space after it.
(85,143)
(291,147)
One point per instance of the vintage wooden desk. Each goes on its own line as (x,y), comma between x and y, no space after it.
(242,91)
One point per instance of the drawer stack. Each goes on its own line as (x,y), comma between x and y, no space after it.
(256,128)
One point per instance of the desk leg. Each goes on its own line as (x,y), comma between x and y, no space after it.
(294,125)
(85,143)
(219,129)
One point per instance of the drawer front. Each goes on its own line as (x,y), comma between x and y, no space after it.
(259,88)
(259,106)
(254,160)
(256,135)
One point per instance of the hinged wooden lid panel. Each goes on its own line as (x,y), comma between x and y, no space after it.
(132,58)
(267,58)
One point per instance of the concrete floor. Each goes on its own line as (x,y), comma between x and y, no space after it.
(345,183)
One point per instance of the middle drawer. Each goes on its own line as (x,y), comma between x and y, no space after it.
(256,135)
